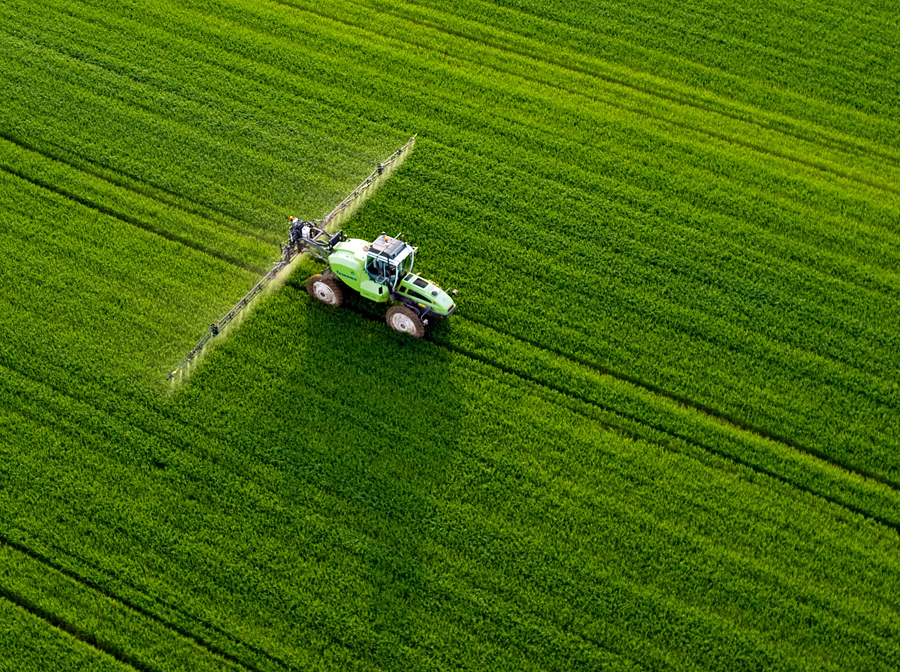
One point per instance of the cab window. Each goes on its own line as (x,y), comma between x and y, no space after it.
(406,265)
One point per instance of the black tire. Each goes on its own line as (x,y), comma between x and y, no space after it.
(326,290)
(405,321)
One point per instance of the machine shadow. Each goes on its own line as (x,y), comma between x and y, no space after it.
(387,448)
(355,429)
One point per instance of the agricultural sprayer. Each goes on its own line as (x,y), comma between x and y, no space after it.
(380,271)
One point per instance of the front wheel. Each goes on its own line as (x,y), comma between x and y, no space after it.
(325,290)
(405,320)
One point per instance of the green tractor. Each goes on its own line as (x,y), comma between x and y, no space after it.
(381,271)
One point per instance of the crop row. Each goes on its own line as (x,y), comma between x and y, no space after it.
(639,412)
(114,630)
(297,62)
(26,639)
(649,313)
(507,521)
(431,70)
(514,43)
(811,340)
(769,211)
(816,330)
(532,431)
(85,191)
(290,64)
(744,208)
(168,136)
(100,293)
(327,495)
(822,68)
(774,213)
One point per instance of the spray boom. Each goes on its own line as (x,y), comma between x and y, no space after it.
(314,237)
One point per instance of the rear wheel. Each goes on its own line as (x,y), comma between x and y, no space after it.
(326,290)
(405,320)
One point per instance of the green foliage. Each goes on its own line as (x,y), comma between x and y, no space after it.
(27,643)
(661,432)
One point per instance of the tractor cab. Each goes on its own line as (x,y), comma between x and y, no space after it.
(388,260)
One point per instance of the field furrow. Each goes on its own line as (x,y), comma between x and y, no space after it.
(31,640)
(103,621)
(776,332)
(659,432)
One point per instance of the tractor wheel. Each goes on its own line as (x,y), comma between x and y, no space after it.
(326,290)
(404,320)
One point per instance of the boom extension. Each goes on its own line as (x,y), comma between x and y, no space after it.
(305,236)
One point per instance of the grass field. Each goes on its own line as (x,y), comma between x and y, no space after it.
(661,432)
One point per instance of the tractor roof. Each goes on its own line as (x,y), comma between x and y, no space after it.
(388,247)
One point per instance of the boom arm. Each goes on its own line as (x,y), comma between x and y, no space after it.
(314,239)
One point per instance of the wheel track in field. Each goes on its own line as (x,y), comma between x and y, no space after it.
(586,415)
(638,199)
(100,171)
(152,190)
(91,639)
(178,442)
(724,137)
(594,419)
(85,637)
(207,57)
(776,577)
(130,604)
(167,605)
(107,592)
(685,25)
(756,260)
(687,439)
(684,320)
(156,192)
(660,429)
(126,219)
(834,144)
(832,273)
(702,409)
(735,250)
(79,560)
(665,96)
(670,97)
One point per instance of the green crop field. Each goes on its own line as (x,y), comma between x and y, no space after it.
(660,432)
